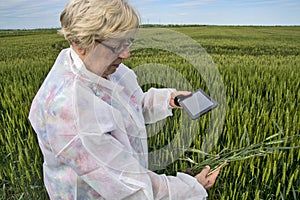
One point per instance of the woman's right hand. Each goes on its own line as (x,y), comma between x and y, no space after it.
(207,181)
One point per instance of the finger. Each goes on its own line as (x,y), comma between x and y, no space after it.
(205,170)
(176,93)
(207,183)
(185,93)
(210,182)
(202,175)
(216,173)
(211,179)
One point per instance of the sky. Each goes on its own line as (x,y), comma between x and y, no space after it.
(32,14)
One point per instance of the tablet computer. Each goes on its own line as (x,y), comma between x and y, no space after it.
(196,104)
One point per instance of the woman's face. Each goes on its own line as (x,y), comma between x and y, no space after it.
(113,67)
(106,57)
(122,49)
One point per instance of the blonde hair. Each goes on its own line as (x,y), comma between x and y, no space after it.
(84,21)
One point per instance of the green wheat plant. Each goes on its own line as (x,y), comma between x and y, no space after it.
(259,143)
(269,146)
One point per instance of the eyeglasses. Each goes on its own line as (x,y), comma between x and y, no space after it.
(120,47)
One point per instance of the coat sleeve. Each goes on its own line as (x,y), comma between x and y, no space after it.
(156,104)
(88,136)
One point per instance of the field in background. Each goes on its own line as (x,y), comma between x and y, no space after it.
(260,68)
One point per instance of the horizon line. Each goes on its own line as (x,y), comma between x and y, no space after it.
(173,24)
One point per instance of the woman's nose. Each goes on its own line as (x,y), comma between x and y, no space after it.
(125,54)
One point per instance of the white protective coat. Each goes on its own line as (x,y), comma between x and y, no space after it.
(93,137)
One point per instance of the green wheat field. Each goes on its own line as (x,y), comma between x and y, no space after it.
(260,69)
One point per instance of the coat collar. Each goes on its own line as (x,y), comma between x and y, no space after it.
(79,68)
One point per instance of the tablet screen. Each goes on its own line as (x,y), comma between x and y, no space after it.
(198,104)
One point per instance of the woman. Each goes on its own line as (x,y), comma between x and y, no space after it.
(89,114)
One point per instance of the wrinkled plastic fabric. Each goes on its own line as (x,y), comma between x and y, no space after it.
(91,132)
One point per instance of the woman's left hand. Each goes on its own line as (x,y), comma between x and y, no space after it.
(206,180)
(176,93)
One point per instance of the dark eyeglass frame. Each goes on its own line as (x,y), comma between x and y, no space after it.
(120,48)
